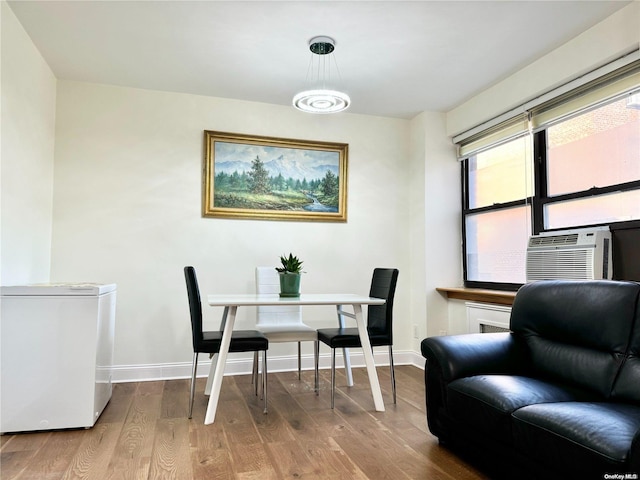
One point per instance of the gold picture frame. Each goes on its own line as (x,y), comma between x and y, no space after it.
(255,177)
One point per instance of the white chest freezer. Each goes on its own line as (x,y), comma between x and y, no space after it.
(56,355)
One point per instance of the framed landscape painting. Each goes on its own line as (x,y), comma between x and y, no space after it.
(248,176)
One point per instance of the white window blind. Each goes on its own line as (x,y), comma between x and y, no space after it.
(624,85)
(503,132)
(609,81)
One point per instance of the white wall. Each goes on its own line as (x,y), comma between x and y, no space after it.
(617,35)
(435,225)
(127,209)
(417,241)
(443,251)
(26,166)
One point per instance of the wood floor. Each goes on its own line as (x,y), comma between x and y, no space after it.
(144,433)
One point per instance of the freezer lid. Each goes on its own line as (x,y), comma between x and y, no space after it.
(58,289)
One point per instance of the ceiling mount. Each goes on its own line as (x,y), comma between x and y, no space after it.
(321,99)
(322,45)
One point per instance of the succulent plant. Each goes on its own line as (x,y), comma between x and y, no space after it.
(290,264)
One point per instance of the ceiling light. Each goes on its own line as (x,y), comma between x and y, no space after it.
(321,99)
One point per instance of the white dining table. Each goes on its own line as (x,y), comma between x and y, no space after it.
(340,300)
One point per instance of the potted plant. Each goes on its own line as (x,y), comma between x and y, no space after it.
(290,272)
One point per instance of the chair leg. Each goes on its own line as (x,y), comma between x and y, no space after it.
(254,372)
(261,374)
(347,366)
(299,360)
(192,388)
(333,376)
(264,379)
(393,374)
(316,353)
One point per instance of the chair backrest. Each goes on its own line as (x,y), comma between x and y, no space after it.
(268,281)
(195,306)
(383,285)
(580,333)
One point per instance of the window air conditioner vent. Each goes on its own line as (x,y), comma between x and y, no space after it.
(553,240)
(572,255)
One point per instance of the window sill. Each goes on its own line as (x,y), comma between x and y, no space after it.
(478,295)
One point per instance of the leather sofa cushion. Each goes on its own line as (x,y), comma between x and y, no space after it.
(485,402)
(574,365)
(576,332)
(582,436)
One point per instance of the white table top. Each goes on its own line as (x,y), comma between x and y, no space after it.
(252,299)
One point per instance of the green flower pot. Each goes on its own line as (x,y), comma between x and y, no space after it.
(289,284)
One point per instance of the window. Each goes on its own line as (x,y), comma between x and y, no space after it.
(495,240)
(587,172)
(501,174)
(499,187)
(593,166)
(597,148)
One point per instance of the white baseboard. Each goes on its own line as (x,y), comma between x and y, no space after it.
(242,366)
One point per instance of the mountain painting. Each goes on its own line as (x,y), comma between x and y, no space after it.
(263,177)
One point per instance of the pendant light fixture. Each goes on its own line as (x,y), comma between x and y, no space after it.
(321,99)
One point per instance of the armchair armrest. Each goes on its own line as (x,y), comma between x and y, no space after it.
(465,355)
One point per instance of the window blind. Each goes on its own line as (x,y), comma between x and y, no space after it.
(614,79)
(582,99)
(500,133)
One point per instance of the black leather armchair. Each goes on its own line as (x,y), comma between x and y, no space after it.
(557,397)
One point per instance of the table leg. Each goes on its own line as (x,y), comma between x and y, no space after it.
(228,319)
(368,359)
(345,351)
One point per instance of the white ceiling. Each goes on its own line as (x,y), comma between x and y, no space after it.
(396,58)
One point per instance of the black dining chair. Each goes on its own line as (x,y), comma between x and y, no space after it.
(379,325)
(209,342)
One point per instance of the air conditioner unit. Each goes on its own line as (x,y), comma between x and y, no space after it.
(583,254)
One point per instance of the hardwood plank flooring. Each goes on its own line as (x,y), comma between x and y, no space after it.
(144,433)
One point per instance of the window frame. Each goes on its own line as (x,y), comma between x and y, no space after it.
(538,202)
